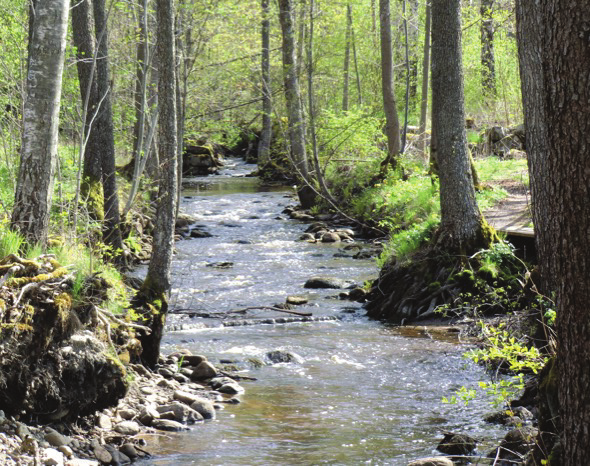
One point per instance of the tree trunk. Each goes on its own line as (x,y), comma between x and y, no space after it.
(374,21)
(40,120)
(292,91)
(425,76)
(566,64)
(389,105)
(529,30)
(266,135)
(112,232)
(346,71)
(488,65)
(413,36)
(141,71)
(356,70)
(461,225)
(91,183)
(157,285)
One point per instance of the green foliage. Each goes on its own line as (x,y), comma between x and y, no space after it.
(403,243)
(118,294)
(509,361)
(10,241)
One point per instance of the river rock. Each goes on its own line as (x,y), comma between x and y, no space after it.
(205,370)
(148,414)
(52,457)
(315,227)
(104,422)
(82,462)
(297,300)
(325,282)
(219,381)
(457,444)
(55,439)
(66,451)
(346,232)
(178,412)
(279,356)
(357,294)
(434,461)
(198,233)
(307,237)
(118,457)
(330,237)
(181,378)
(127,413)
(129,450)
(519,441)
(204,407)
(232,388)
(102,454)
(192,360)
(127,428)
(185,397)
(185,220)
(167,425)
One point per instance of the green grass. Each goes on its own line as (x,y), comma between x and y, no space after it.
(494,169)
(409,211)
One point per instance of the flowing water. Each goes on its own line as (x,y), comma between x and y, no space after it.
(362,392)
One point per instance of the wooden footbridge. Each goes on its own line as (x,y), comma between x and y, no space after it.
(512,216)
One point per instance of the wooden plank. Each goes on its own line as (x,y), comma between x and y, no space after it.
(526,232)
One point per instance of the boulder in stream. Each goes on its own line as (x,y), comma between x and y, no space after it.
(434,461)
(279,356)
(325,282)
(457,444)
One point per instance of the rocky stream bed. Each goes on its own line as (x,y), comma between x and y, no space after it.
(270,358)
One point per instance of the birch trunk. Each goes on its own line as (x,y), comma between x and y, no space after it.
(41,120)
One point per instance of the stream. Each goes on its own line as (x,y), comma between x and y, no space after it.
(362,392)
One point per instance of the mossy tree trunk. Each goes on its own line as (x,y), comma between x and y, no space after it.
(112,232)
(91,183)
(462,229)
(156,287)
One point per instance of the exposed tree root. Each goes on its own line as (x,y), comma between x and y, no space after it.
(435,284)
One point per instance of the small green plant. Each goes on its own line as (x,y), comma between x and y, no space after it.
(10,241)
(133,243)
(509,361)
